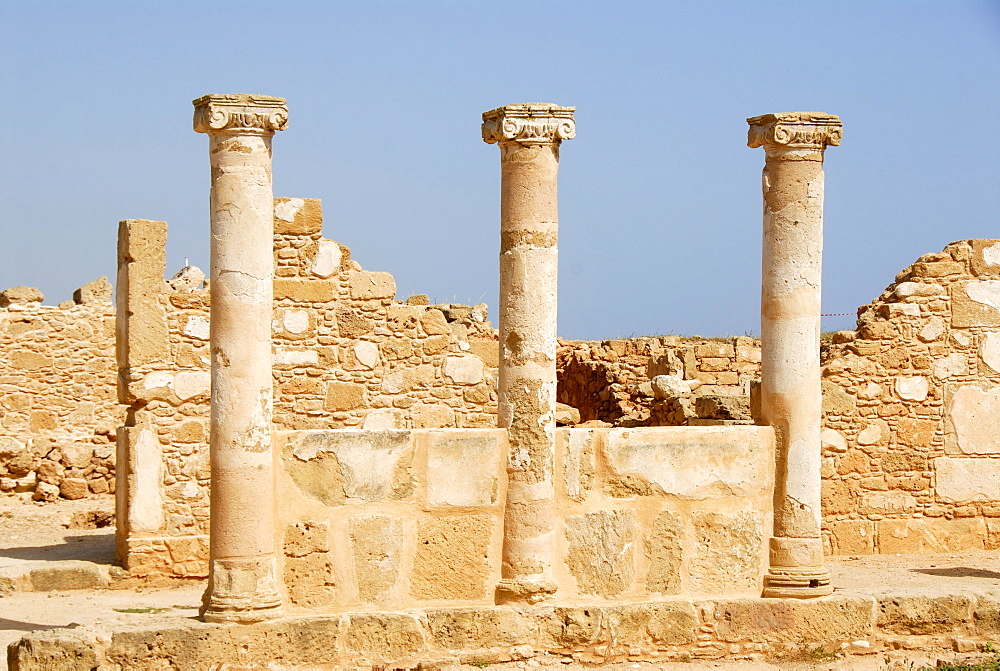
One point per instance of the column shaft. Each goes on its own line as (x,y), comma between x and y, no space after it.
(791,398)
(529,137)
(243,577)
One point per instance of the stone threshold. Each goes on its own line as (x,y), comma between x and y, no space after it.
(675,629)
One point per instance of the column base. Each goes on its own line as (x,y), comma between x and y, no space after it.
(527,590)
(242,590)
(805,582)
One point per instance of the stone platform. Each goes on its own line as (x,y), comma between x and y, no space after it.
(882,604)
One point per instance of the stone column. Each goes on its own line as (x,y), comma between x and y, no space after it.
(243,575)
(529,136)
(791,398)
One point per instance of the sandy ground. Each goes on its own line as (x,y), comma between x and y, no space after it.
(42,532)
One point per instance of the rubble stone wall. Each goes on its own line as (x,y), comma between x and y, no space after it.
(609,380)
(911,441)
(403,519)
(346,355)
(58,411)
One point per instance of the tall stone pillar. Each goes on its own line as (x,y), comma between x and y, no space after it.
(243,576)
(529,136)
(791,398)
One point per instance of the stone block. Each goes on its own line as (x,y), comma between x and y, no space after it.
(20,296)
(366,354)
(479,628)
(306,537)
(294,358)
(376,544)
(664,552)
(578,461)
(694,463)
(599,553)
(310,580)
(728,555)
(25,359)
(572,627)
(341,396)
(465,468)
(487,350)
(464,369)
(837,401)
(351,324)
(363,465)
(452,558)
(329,259)
(365,285)
(915,432)
(970,479)
(433,322)
(975,303)
(913,388)
(985,259)
(647,625)
(852,537)
(431,416)
(936,269)
(923,535)
(723,407)
(298,216)
(831,620)
(98,291)
(887,503)
(986,616)
(969,419)
(74,488)
(305,290)
(384,636)
(191,383)
(920,615)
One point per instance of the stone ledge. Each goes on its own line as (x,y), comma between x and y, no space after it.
(663,630)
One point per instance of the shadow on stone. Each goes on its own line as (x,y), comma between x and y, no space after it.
(958,572)
(97,548)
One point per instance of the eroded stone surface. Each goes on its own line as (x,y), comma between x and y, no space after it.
(600,551)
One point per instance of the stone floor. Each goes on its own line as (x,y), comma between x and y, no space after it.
(56,577)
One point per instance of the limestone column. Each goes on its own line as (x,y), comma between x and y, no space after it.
(791,398)
(243,576)
(529,136)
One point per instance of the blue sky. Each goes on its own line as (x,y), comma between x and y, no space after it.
(659,196)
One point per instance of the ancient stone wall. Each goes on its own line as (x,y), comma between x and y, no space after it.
(612,381)
(346,354)
(406,519)
(58,411)
(911,445)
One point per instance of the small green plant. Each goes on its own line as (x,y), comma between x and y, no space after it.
(139,610)
(479,664)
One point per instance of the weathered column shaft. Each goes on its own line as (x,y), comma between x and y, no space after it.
(791,397)
(243,576)
(529,137)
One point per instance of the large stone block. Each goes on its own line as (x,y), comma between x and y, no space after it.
(298,216)
(452,558)
(985,260)
(664,552)
(310,580)
(478,628)
(853,537)
(464,369)
(600,551)
(691,462)
(376,544)
(385,636)
(961,480)
(970,425)
(728,556)
(653,625)
(364,465)
(975,303)
(924,615)
(365,285)
(341,396)
(924,535)
(832,620)
(305,291)
(465,468)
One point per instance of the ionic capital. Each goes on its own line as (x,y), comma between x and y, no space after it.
(795,130)
(529,124)
(240,114)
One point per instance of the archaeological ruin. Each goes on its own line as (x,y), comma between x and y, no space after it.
(362,479)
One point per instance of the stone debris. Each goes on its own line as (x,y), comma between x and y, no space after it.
(98,291)
(20,296)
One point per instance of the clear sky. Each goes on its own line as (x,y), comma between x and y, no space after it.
(660,200)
